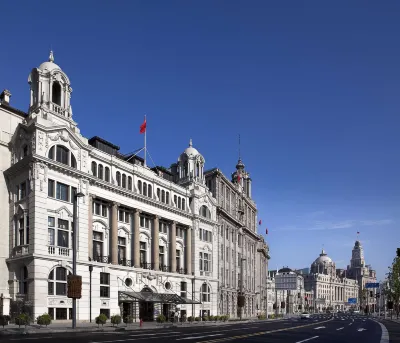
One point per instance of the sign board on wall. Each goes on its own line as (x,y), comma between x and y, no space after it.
(372,285)
(286,282)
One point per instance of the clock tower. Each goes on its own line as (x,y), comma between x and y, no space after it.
(357,256)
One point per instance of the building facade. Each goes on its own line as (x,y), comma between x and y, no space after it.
(363,273)
(149,239)
(330,286)
(243,253)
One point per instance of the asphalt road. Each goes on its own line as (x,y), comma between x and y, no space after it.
(317,329)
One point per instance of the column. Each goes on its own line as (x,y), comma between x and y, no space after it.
(114,233)
(136,239)
(172,247)
(90,226)
(188,250)
(155,243)
(25,228)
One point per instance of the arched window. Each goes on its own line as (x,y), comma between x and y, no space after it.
(183,204)
(162,196)
(94,168)
(118,178)
(107,174)
(56,93)
(167,198)
(130,183)
(158,194)
(149,191)
(139,185)
(198,169)
(145,188)
(176,200)
(205,212)
(100,171)
(123,180)
(179,202)
(205,293)
(61,154)
(57,281)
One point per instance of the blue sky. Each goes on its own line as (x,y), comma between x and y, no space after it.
(312,87)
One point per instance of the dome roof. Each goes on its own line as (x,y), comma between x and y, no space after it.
(323,258)
(49,65)
(190,151)
(285,270)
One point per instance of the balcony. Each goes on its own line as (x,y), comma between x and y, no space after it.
(145,265)
(164,268)
(101,259)
(20,251)
(57,109)
(181,270)
(58,251)
(126,263)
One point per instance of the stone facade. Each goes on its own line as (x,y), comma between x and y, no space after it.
(241,248)
(330,286)
(140,229)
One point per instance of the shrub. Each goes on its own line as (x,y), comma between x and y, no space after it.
(22,319)
(128,320)
(197,319)
(190,319)
(262,316)
(205,318)
(44,319)
(101,319)
(161,319)
(115,319)
(4,320)
(211,318)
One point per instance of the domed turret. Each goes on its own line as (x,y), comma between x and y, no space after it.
(323,264)
(191,165)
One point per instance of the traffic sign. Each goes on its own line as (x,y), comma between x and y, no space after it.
(372,285)
(352,301)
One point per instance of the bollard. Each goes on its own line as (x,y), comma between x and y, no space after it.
(140,322)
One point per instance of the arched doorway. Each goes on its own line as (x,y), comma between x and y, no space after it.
(146,308)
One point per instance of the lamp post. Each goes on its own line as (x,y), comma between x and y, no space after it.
(76,195)
(241,284)
(90,292)
(193,279)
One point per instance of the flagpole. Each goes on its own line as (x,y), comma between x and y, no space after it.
(145,141)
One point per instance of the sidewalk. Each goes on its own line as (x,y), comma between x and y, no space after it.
(57,327)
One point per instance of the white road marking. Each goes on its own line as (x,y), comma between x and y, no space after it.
(340,329)
(196,337)
(350,323)
(362,329)
(320,327)
(385,334)
(308,339)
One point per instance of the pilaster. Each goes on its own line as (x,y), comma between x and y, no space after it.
(172,247)
(155,243)
(136,239)
(114,234)
(188,250)
(90,226)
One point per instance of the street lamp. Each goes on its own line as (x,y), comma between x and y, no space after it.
(76,195)
(241,286)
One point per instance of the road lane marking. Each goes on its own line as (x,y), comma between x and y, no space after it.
(350,324)
(319,327)
(361,329)
(196,337)
(308,339)
(340,329)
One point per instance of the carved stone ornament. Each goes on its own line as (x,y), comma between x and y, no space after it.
(31,175)
(63,136)
(33,142)
(40,140)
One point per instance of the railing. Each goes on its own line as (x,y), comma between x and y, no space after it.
(181,270)
(57,109)
(59,251)
(20,250)
(102,259)
(164,268)
(145,265)
(126,263)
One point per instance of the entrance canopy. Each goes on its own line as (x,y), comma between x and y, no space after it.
(164,298)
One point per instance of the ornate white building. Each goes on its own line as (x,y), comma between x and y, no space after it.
(148,238)
(330,286)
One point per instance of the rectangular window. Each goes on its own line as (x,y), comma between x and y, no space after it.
(161,254)
(145,222)
(62,191)
(143,254)
(97,246)
(163,228)
(178,259)
(23,190)
(121,215)
(104,210)
(104,285)
(183,289)
(63,234)
(97,208)
(50,188)
(121,248)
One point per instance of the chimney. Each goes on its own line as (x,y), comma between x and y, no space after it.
(5,97)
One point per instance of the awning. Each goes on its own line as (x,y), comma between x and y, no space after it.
(165,298)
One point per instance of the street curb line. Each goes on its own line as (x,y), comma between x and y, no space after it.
(385,333)
(266,332)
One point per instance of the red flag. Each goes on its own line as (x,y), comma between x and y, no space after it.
(238,177)
(143,127)
(259,223)
(266,231)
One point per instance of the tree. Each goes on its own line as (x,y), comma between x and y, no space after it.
(394,283)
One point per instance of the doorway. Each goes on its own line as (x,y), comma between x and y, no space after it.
(146,311)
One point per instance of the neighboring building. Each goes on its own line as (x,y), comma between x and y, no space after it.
(303,271)
(148,237)
(239,243)
(358,270)
(331,287)
(10,118)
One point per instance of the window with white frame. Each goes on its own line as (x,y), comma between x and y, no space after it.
(121,248)
(104,285)
(123,215)
(178,259)
(180,232)
(205,235)
(22,190)
(143,254)
(205,293)
(60,235)
(63,155)
(98,245)
(100,208)
(145,222)
(205,261)
(60,191)
(164,227)
(57,281)
(161,256)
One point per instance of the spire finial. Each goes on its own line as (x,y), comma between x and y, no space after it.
(51,56)
(239,148)
(190,142)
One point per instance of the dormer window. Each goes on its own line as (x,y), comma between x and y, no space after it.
(205,212)
(63,155)
(56,93)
